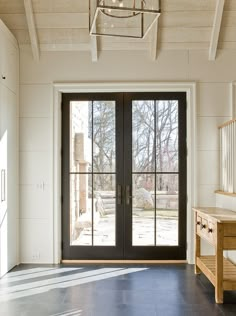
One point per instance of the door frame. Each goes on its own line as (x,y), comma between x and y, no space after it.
(188,87)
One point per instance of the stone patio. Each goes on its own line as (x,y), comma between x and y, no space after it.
(143,230)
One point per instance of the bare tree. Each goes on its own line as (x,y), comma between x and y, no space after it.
(103,122)
(155,140)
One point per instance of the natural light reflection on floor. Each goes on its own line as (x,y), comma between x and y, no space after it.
(10,291)
(33,275)
(26,271)
(73,312)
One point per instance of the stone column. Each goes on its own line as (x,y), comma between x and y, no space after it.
(81,160)
(83,179)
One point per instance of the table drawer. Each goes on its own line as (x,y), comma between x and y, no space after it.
(206,228)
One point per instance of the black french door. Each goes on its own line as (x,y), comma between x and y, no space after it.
(124,175)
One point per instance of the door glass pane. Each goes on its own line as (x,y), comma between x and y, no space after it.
(167,136)
(155,151)
(80,136)
(92,173)
(167,209)
(104,209)
(143,212)
(143,136)
(104,136)
(81,209)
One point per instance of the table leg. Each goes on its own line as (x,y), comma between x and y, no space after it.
(219,265)
(197,246)
(197,252)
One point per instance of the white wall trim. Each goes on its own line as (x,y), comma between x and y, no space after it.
(188,87)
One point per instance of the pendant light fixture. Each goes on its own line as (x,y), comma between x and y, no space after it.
(122,18)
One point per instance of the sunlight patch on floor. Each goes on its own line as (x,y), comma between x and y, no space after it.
(37,287)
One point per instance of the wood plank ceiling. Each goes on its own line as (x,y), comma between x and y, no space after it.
(62,25)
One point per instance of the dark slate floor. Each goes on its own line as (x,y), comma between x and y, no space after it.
(168,290)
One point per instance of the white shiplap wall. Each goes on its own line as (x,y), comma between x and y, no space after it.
(35,173)
(36,121)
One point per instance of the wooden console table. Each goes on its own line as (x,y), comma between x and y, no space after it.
(218,227)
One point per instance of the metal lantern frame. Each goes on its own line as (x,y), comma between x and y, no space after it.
(105,9)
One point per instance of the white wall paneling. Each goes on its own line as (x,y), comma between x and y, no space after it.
(213,105)
(34,200)
(34,168)
(208,133)
(36,241)
(206,194)
(208,174)
(214,99)
(36,174)
(34,101)
(222,70)
(117,66)
(35,134)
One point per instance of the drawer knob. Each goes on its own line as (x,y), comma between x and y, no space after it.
(210,230)
(203,226)
(3,77)
(198,223)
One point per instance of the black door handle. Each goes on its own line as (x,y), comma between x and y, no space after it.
(119,194)
(128,195)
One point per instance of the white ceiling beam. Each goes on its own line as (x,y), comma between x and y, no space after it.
(154,38)
(94,45)
(94,48)
(32,29)
(216,29)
